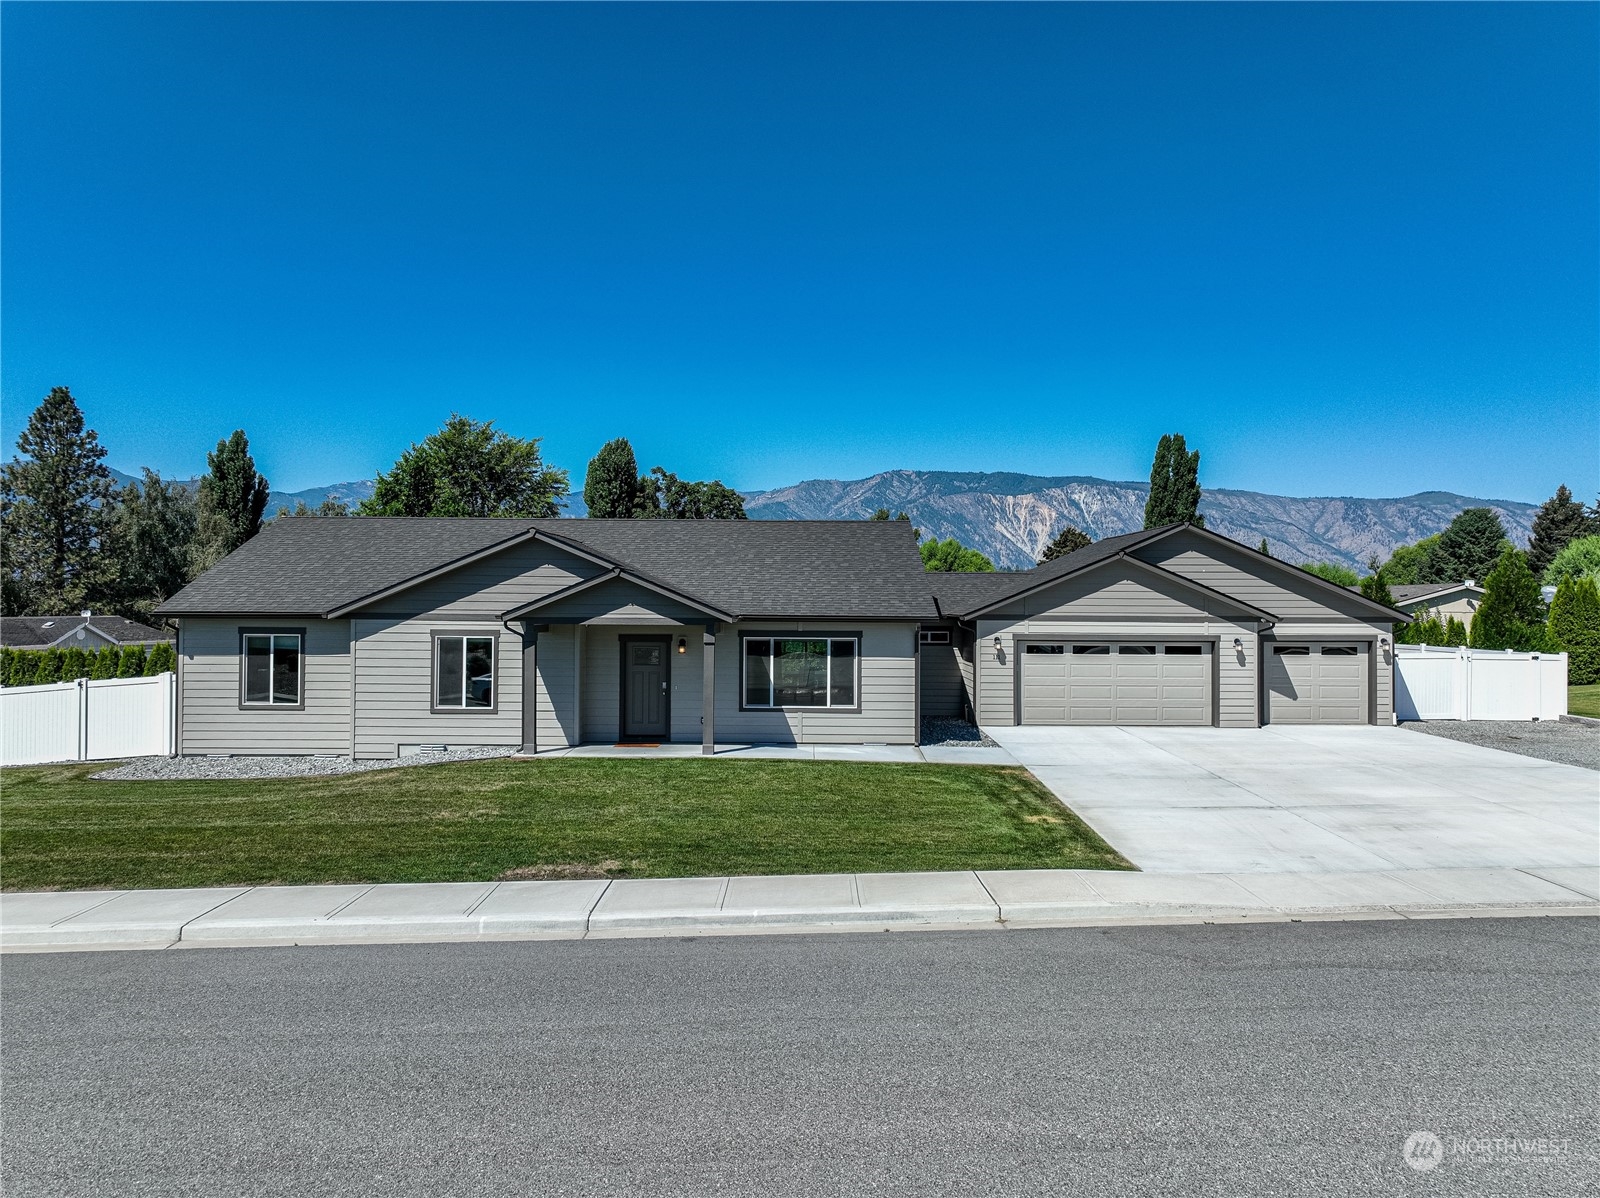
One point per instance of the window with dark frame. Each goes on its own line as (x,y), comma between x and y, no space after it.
(271,669)
(463,672)
(800,671)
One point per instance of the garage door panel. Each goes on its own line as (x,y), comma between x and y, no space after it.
(1115,683)
(1317,682)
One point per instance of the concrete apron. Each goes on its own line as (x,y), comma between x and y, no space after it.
(999,899)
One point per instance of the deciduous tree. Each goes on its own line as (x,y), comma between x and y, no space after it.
(149,546)
(1580,559)
(469,468)
(952,557)
(611,485)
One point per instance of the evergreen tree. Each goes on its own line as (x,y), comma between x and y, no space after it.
(952,557)
(232,500)
(74,663)
(149,546)
(1469,548)
(49,669)
(1066,541)
(611,484)
(22,668)
(1511,615)
(1174,485)
(54,506)
(468,468)
(1424,629)
(132,662)
(1455,633)
(330,506)
(163,659)
(1575,628)
(1375,587)
(1263,549)
(106,662)
(1559,521)
(1579,559)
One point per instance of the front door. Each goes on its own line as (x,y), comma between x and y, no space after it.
(645,689)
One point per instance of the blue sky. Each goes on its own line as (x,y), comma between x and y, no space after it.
(1345,249)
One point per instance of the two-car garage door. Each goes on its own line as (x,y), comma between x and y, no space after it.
(1116,683)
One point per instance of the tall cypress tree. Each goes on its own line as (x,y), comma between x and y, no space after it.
(54,506)
(1559,521)
(611,484)
(1511,615)
(1174,485)
(231,501)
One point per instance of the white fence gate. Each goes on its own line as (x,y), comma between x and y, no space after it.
(88,720)
(1436,683)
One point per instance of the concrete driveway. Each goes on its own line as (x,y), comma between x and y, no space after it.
(1319,799)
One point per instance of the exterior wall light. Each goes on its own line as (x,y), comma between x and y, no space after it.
(1238,645)
(997,644)
(683,646)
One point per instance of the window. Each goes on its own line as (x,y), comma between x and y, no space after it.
(1137,650)
(1189,650)
(935,636)
(463,672)
(1094,649)
(1339,651)
(1292,650)
(272,669)
(1044,649)
(799,672)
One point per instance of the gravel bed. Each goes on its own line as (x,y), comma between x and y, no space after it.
(941,731)
(172,769)
(1569,744)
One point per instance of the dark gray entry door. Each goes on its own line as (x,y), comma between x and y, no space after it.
(644,690)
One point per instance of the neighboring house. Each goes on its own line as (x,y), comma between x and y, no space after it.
(82,631)
(1171,626)
(378,636)
(1444,599)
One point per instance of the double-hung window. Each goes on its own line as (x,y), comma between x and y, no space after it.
(800,671)
(463,672)
(272,669)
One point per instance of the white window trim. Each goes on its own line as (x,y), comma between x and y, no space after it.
(772,683)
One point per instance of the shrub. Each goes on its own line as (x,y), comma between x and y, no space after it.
(1511,615)
(1575,628)
(1455,633)
(74,664)
(106,662)
(49,667)
(1580,558)
(163,658)
(132,663)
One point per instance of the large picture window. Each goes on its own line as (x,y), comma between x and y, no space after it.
(463,672)
(271,669)
(800,671)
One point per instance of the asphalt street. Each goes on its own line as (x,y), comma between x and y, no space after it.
(1252,1059)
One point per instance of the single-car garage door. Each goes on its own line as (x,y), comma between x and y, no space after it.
(1317,682)
(1132,682)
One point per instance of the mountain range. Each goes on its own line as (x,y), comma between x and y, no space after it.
(1012,517)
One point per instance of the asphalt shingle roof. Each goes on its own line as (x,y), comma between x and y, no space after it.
(759,568)
(38,632)
(961,598)
(1406,592)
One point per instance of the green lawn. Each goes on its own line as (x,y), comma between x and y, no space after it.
(59,829)
(1584,700)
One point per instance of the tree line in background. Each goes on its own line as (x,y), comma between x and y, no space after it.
(613,489)
(36,667)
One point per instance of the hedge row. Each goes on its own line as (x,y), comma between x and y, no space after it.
(35,667)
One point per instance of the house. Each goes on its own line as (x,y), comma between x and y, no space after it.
(374,637)
(1444,599)
(82,631)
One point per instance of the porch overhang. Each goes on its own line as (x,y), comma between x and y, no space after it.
(539,609)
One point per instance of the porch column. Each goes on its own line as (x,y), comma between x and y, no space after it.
(708,692)
(530,687)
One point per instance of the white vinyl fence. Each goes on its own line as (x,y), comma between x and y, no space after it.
(1436,683)
(88,720)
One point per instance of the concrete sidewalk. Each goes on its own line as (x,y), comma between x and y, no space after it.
(277,915)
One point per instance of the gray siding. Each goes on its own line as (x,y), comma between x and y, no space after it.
(887,691)
(944,691)
(1288,593)
(621,602)
(496,584)
(394,678)
(1115,591)
(556,662)
(211,720)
